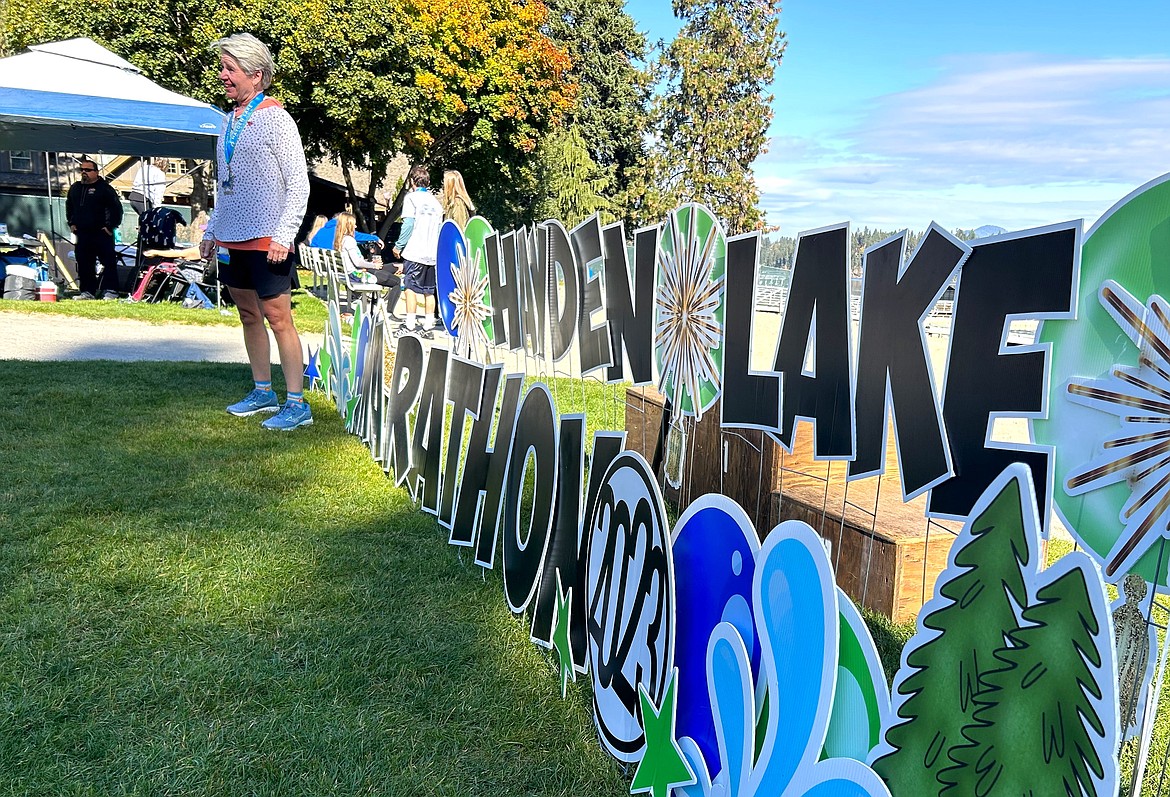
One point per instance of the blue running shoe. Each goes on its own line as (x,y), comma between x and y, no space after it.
(291,415)
(254,402)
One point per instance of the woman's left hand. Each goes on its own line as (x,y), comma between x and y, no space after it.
(277,252)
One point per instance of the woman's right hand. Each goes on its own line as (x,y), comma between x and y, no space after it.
(206,248)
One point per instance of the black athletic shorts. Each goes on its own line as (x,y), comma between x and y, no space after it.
(249,269)
(419,278)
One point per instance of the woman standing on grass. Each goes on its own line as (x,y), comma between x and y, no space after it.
(263,193)
(456,201)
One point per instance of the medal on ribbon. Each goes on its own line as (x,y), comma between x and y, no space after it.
(235,129)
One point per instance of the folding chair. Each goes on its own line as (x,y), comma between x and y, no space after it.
(347,290)
(309,260)
(151,283)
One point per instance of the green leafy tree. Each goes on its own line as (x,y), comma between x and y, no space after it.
(948,659)
(710,122)
(498,83)
(168,41)
(862,239)
(1037,727)
(440,81)
(467,84)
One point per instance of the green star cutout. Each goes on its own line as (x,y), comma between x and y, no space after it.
(561,635)
(662,766)
(350,409)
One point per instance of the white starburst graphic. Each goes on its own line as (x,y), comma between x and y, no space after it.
(470,308)
(687,329)
(1139,453)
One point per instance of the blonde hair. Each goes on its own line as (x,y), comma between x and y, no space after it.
(250,53)
(454,194)
(346,224)
(453,188)
(318,223)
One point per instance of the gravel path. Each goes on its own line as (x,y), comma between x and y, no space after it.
(37,336)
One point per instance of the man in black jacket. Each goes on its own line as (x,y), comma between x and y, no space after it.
(94,210)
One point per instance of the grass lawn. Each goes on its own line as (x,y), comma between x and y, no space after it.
(191,605)
(309,312)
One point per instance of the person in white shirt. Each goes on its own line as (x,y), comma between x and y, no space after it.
(263,193)
(418,246)
(149,185)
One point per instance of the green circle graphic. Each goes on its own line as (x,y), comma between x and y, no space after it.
(705,226)
(476,233)
(1131,246)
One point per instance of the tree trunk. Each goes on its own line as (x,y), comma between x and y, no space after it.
(351,192)
(395,208)
(377,175)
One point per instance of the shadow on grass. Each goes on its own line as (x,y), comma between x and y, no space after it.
(192,605)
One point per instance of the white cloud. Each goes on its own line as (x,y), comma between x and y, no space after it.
(1012,140)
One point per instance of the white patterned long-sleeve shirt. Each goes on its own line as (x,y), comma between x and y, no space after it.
(269,181)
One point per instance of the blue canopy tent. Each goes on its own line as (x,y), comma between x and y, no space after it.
(77,96)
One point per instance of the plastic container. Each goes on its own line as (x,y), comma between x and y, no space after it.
(46,291)
(19,288)
(27,272)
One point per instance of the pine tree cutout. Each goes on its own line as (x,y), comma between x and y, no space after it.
(1045,715)
(944,664)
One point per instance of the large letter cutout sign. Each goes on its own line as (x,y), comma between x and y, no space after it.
(630,602)
(536,434)
(750,399)
(816,319)
(893,365)
(1030,274)
(723,665)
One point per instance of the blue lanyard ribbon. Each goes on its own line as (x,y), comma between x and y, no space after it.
(236,127)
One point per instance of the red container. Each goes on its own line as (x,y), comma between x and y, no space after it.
(47,291)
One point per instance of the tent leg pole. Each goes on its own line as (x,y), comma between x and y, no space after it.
(52,210)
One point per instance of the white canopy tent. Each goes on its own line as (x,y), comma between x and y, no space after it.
(77,96)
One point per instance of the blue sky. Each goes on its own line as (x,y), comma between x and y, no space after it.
(1016,114)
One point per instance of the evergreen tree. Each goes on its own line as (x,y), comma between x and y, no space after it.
(943,672)
(571,186)
(608,56)
(777,251)
(1037,728)
(710,122)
